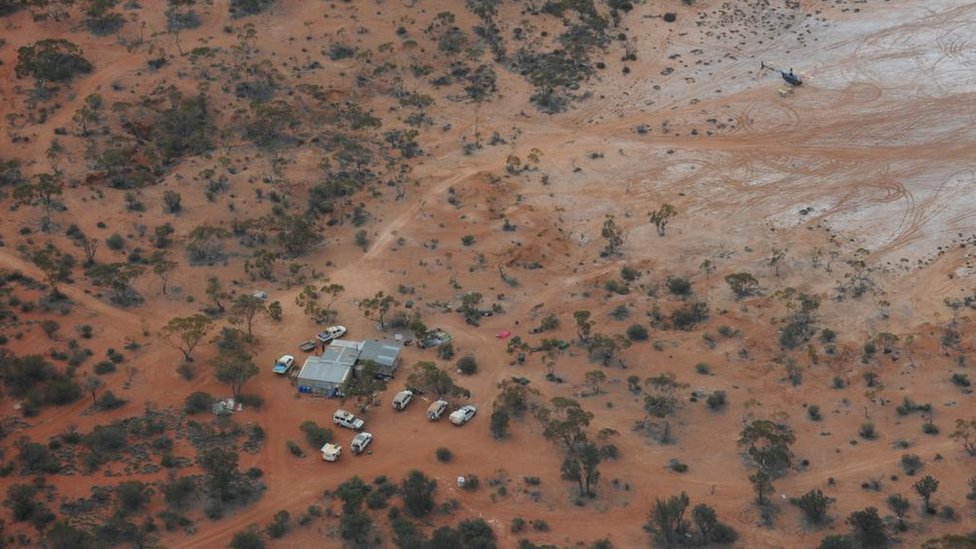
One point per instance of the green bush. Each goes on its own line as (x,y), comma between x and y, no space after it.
(443,454)
(636,332)
(467,365)
(115,242)
(679,285)
(295,449)
(198,402)
(716,400)
(316,435)
(108,401)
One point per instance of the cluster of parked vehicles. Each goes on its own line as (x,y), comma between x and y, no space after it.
(362,439)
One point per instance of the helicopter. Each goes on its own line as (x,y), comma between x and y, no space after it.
(788,77)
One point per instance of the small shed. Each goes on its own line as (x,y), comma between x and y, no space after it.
(385,354)
(327,373)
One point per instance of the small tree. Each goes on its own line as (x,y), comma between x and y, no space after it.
(742,284)
(278,525)
(965,434)
(868,527)
(814,505)
(131,496)
(595,378)
(418,493)
(90,247)
(162,266)
(234,367)
(247,539)
(662,216)
(565,422)
(768,444)
(776,258)
(378,306)
(613,235)
(55,264)
(220,464)
(499,424)
(92,385)
(172,201)
(185,333)
(51,60)
(926,487)
(762,485)
(215,291)
(583,325)
(244,310)
(667,518)
(899,505)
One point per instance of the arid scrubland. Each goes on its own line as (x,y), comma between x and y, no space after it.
(693,305)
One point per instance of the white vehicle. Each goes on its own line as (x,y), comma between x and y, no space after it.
(331,452)
(260,294)
(436,410)
(330,333)
(463,415)
(283,365)
(360,442)
(401,400)
(343,418)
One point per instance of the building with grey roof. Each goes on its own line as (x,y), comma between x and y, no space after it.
(384,354)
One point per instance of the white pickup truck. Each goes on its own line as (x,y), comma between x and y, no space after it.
(345,419)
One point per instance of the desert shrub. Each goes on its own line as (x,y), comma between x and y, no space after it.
(620,312)
(678,466)
(251,400)
(911,464)
(294,448)
(813,412)
(198,402)
(685,317)
(636,332)
(716,400)
(246,539)
(444,454)
(679,286)
(181,20)
(105,367)
(446,351)
(108,401)
(115,242)
(243,8)
(51,60)
(960,380)
(868,431)
(467,365)
(316,435)
(278,525)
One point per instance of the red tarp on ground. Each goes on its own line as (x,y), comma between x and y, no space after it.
(503,334)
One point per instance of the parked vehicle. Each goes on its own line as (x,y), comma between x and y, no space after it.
(307,346)
(283,365)
(463,415)
(331,452)
(360,442)
(402,399)
(260,294)
(330,333)
(433,338)
(345,419)
(436,410)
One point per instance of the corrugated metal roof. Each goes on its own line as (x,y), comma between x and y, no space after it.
(326,370)
(384,353)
